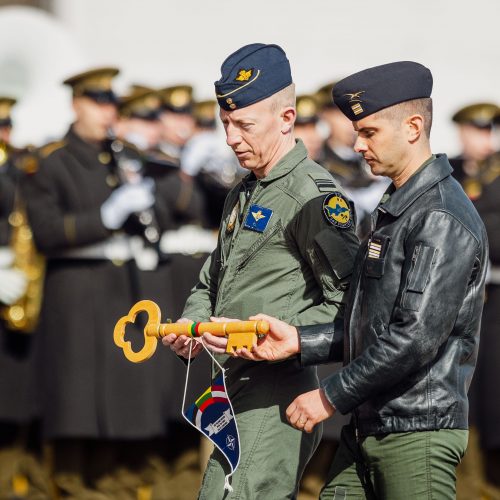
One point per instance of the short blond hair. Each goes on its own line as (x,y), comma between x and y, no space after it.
(285,98)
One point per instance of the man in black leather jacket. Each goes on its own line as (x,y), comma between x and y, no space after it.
(413,314)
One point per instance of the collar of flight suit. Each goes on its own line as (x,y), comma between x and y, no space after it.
(286,164)
(431,172)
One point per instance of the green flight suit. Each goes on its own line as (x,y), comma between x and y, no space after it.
(296,269)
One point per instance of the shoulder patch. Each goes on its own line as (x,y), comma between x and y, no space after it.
(28,163)
(49,148)
(337,210)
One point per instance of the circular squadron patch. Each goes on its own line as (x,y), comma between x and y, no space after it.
(337,211)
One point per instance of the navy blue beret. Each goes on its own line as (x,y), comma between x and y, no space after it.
(251,74)
(364,93)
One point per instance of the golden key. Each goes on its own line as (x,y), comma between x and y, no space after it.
(240,334)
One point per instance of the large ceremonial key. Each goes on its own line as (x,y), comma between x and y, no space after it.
(239,333)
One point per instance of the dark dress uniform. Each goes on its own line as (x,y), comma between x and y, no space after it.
(484,190)
(90,390)
(19,407)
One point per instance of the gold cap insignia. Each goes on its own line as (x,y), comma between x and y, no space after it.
(244,75)
(355,97)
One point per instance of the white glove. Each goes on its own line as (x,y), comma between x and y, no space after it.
(6,257)
(13,284)
(126,200)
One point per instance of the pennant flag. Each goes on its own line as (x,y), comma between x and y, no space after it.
(212,414)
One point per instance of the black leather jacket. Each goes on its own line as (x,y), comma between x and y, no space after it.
(413,313)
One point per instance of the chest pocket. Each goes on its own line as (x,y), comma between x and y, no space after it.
(261,241)
(418,277)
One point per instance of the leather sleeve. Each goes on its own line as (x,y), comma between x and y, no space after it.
(321,344)
(440,264)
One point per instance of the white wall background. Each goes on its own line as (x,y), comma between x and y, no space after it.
(161,42)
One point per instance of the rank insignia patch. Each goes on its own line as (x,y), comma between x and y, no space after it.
(337,211)
(377,246)
(258,218)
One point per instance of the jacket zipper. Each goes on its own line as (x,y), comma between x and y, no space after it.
(242,264)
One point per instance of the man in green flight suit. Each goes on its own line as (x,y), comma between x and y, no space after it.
(286,246)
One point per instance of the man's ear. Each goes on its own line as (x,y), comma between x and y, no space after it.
(288,116)
(415,127)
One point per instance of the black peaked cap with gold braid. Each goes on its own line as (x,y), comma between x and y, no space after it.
(95,84)
(307,109)
(373,89)
(251,74)
(177,99)
(6,104)
(142,102)
(481,115)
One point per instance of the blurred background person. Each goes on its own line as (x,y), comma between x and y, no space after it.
(21,472)
(306,124)
(176,119)
(139,118)
(477,168)
(347,167)
(477,142)
(83,206)
(207,159)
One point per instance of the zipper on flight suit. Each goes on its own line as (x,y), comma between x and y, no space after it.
(249,196)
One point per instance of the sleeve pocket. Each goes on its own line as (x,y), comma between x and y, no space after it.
(338,252)
(418,277)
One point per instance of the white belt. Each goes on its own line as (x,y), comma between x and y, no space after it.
(117,248)
(188,240)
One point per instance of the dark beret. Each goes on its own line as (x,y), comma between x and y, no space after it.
(364,93)
(251,74)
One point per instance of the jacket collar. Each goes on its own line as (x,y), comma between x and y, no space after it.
(423,180)
(288,162)
(85,151)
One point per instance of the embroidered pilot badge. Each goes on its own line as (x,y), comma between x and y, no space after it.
(232,218)
(258,218)
(244,75)
(337,211)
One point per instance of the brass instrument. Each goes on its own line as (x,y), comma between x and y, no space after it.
(23,315)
